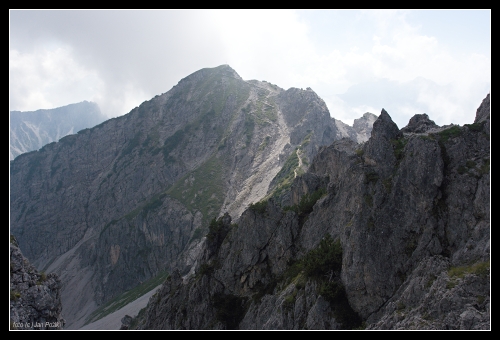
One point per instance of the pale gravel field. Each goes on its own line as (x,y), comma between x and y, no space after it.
(113,320)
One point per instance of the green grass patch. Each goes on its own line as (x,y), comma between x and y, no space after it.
(318,263)
(285,176)
(368,199)
(107,225)
(206,269)
(172,142)
(127,297)
(14,295)
(470,164)
(214,91)
(410,246)
(429,137)
(398,145)
(53,169)
(42,277)
(289,301)
(307,202)
(462,170)
(370,223)
(325,258)
(306,140)
(197,234)
(153,203)
(324,264)
(387,184)
(480,269)
(485,167)
(259,207)
(216,230)
(430,282)
(371,176)
(34,165)
(202,189)
(68,140)
(131,145)
(264,143)
(262,289)
(476,127)
(265,112)
(449,133)
(13,240)
(400,306)
(179,139)
(249,129)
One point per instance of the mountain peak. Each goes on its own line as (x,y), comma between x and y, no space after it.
(211,72)
(419,123)
(227,70)
(483,111)
(384,126)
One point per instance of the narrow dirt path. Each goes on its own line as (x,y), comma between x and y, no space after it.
(300,163)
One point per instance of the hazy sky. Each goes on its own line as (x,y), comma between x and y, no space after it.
(413,61)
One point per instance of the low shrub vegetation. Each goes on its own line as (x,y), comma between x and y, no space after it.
(259,207)
(306,204)
(230,309)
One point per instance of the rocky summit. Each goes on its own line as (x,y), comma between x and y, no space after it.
(252,208)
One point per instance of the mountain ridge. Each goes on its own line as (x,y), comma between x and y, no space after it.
(120,202)
(31,130)
(389,234)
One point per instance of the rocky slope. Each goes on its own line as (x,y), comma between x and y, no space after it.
(30,130)
(122,202)
(393,233)
(35,300)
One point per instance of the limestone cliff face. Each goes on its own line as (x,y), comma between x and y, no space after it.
(31,130)
(35,299)
(389,234)
(121,202)
(363,126)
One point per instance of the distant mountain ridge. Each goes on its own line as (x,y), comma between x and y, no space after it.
(31,130)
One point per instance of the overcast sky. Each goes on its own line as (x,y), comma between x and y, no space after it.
(418,61)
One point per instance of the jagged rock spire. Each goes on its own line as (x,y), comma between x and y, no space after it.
(385,127)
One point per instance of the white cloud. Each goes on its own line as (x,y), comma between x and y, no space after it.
(121,58)
(116,102)
(264,45)
(48,79)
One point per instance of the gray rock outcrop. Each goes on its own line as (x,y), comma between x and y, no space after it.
(483,114)
(419,123)
(35,299)
(398,238)
(363,126)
